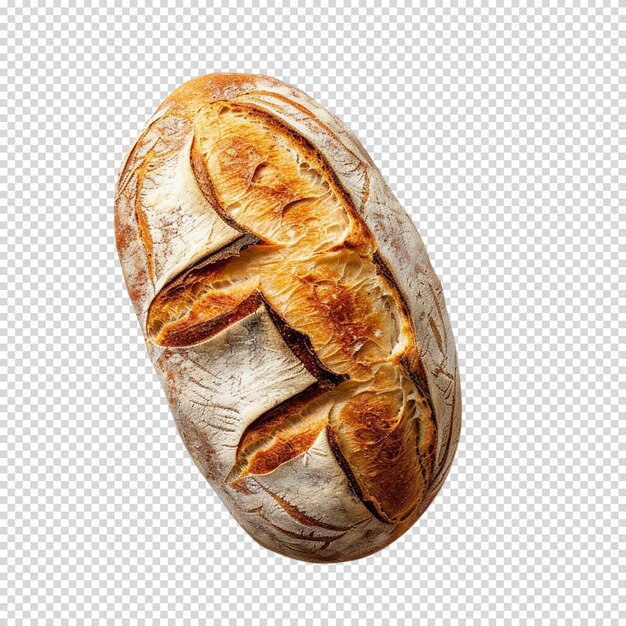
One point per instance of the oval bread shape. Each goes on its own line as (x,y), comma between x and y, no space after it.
(292,315)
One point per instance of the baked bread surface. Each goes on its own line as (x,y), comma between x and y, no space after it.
(292,315)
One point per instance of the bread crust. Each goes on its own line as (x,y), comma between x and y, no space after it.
(309,492)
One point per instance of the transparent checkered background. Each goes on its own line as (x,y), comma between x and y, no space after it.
(499,129)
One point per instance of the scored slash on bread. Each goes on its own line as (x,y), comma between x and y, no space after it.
(240,206)
(316,270)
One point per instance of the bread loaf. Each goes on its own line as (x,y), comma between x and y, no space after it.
(292,315)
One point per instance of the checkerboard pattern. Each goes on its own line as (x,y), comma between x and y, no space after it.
(499,129)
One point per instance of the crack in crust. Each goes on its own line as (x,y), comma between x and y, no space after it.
(301,516)
(314,266)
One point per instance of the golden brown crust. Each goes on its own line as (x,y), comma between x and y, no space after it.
(378,430)
(313,264)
